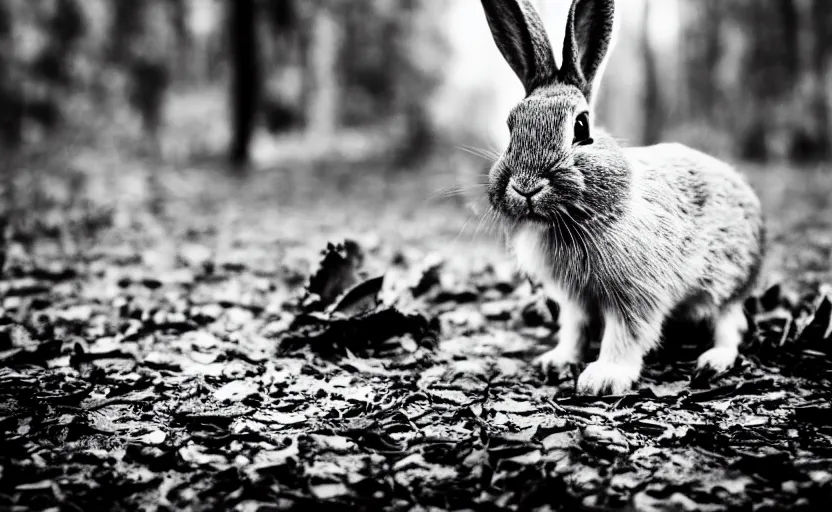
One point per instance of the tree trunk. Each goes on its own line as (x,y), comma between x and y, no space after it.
(790,19)
(245,79)
(821,67)
(323,67)
(652,100)
(185,57)
(702,47)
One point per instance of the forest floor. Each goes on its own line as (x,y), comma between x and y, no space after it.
(172,337)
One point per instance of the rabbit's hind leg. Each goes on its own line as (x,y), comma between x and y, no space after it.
(729,331)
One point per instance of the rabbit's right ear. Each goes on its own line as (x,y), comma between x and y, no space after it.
(590,32)
(521,38)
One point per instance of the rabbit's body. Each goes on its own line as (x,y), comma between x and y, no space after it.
(677,242)
(627,236)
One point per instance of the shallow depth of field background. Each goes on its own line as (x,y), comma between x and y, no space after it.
(335,118)
(171,171)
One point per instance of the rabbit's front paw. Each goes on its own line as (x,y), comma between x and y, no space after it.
(557,359)
(605,378)
(717,360)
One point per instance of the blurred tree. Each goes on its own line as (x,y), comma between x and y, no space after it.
(11,104)
(776,103)
(390,68)
(323,100)
(39,42)
(285,95)
(334,64)
(753,77)
(703,51)
(820,25)
(124,28)
(654,109)
(246,76)
(65,28)
(182,38)
(143,45)
(788,62)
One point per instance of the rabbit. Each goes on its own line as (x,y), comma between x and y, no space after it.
(623,238)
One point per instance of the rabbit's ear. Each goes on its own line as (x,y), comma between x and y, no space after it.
(521,38)
(588,39)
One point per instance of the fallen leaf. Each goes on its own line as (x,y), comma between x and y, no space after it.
(359,299)
(235,391)
(155,437)
(338,271)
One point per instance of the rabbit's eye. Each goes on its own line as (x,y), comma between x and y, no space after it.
(582,130)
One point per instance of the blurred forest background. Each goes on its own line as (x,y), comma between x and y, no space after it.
(170,171)
(380,116)
(404,78)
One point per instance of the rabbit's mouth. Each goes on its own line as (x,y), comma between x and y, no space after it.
(528,212)
(545,211)
(527,202)
(531,199)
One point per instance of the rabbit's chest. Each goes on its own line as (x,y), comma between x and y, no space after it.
(530,250)
(547,261)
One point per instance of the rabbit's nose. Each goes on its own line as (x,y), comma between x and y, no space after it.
(526,190)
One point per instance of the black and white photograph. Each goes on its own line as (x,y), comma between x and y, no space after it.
(415,255)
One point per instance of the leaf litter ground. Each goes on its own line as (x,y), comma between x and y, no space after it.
(208,344)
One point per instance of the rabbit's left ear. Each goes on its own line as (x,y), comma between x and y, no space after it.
(588,39)
(521,38)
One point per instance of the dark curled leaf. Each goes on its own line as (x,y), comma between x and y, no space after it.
(7,357)
(22,288)
(151,283)
(770,464)
(429,279)
(703,377)
(460,296)
(447,452)
(816,331)
(747,387)
(818,415)
(502,448)
(359,334)
(534,490)
(338,271)
(71,398)
(539,312)
(54,274)
(788,331)
(753,306)
(772,298)
(16,336)
(309,322)
(360,298)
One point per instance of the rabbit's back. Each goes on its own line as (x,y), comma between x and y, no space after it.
(721,222)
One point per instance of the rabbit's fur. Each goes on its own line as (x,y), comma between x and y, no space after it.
(624,237)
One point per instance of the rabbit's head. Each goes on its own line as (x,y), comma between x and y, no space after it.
(556,164)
